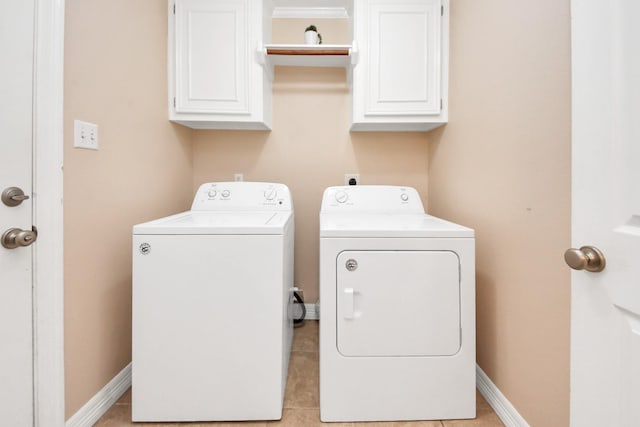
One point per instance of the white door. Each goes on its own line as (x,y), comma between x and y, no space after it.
(605,312)
(16,136)
(398,303)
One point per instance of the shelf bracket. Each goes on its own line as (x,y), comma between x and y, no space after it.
(354,53)
(261,58)
(261,54)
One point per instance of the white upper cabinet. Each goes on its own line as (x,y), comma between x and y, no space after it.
(215,80)
(221,62)
(400,80)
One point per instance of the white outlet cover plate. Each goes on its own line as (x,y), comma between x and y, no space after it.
(85,135)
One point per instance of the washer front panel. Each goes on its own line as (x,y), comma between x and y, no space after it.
(398,303)
(211,337)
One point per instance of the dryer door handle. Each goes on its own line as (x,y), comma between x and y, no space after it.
(348,303)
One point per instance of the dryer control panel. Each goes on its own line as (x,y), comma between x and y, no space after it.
(242,196)
(372,199)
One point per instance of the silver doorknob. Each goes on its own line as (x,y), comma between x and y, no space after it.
(13,196)
(586,258)
(15,237)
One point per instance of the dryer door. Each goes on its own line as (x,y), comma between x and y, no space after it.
(398,303)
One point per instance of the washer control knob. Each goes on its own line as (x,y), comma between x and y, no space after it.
(404,197)
(226,193)
(342,196)
(270,193)
(212,193)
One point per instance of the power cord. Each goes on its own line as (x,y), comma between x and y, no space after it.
(300,302)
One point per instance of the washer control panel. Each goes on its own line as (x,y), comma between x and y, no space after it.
(242,195)
(372,198)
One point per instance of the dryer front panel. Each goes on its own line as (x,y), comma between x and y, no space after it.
(398,303)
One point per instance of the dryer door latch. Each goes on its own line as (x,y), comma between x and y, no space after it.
(348,303)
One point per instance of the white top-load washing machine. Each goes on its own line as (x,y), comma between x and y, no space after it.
(397,309)
(211,291)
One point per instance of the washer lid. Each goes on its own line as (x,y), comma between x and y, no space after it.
(389,225)
(192,222)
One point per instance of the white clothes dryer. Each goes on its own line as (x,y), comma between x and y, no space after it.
(397,309)
(211,292)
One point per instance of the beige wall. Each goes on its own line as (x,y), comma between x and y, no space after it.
(502,166)
(115,76)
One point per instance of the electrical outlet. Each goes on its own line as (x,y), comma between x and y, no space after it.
(85,135)
(351,178)
(238,177)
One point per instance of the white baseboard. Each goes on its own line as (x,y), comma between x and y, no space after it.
(503,408)
(313,311)
(99,404)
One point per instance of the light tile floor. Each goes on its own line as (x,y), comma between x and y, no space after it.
(301,402)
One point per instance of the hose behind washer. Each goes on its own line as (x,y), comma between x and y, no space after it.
(299,300)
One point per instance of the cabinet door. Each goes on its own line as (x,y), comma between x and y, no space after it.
(399,76)
(211,54)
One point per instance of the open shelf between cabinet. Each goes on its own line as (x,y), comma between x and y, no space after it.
(304,55)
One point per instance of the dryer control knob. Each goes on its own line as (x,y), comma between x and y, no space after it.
(404,197)
(270,193)
(212,193)
(226,193)
(341,197)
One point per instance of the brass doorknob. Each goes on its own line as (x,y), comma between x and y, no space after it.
(15,237)
(586,258)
